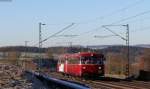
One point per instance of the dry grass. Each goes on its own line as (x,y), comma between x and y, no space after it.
(115,64)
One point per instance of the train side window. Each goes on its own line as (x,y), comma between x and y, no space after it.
(63,61)
(82,60)
(91,60)
(102,60)
(73,61)
(86,60)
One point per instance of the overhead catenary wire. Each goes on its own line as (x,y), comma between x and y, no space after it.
(125,8)
(141,29)
(111,14)
(125,19)
(128,18)
(53,35)
(104,36)
(81,34)
(119,21)
(65,35)
(131,17)
(133,31)
(114,12)
(136,20)
(114,33)
(58,32)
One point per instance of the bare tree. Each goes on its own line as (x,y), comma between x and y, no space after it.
(13,56)
(49,54)
(146,60)
(115,64)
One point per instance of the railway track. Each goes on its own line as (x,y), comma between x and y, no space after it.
(110,86)
(142,82)
(122,85)
(140,85)
(101,84)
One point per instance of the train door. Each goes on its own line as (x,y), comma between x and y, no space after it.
(66,66)
(61,66)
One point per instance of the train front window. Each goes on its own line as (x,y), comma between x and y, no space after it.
(91,60)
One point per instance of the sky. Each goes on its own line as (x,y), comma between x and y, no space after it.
(19,21)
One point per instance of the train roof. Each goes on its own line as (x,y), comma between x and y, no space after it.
(81,54)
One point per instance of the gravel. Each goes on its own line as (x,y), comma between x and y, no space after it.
(11,78)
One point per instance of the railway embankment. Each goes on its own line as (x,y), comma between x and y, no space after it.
(11,78)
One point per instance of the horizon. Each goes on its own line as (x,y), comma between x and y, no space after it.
(136,45)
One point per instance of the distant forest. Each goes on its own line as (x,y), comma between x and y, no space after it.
(134,51)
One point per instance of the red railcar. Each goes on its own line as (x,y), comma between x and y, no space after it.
(81,64)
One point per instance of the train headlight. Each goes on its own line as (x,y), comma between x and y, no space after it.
(83,67)
(99,68)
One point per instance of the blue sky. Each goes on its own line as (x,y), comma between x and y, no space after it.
(19,21)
